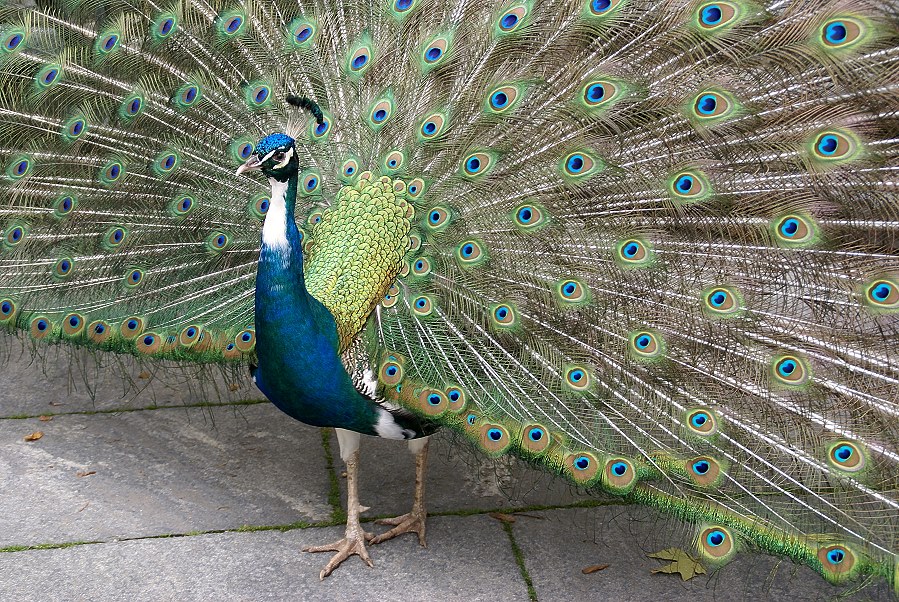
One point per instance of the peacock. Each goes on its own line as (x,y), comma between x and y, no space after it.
(649,246)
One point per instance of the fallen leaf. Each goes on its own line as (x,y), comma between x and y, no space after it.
(233,387)
(34,436)
(45,418)
(682,563)
(144,375)
(594,568)
(500,516)
(86,473)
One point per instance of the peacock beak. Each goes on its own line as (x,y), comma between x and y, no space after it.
(252,163)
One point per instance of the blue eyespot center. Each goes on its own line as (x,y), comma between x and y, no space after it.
(836,556)
(66,204)
(421,303)
(471,419)
(233,25)
(191,332)
(99,328)
(430,127)
(715,538)
(132,324)
(835,32)
(843,453)
(350,169)
(701,467)
(786,367)
(13,42)
(499,100)
(789,227)
(577,375)
(6,307)
(391,370)
(360,61)
(575,163)
(535,434)
(827,145)
(699,420)
(261,95)
(454,395)
(643,341)
(501,313)
(380,115)
(433,54)
(42,325)
(509,21)
(321,128)
(707,104)
(630,249)
(167,26)
(685,183)
(882,291)
(467,250)
(600,6)
(434,399)
(435,217)
(495,434)
(21,167)
(569,289)
(311,183)
(473,164)
(595,93)
(149,340)
(50,76)
(110,42)
(711,14)
(303,34)
(74,321)
(718,298)
(582,462)
(77,127)
(619,468)
(525,214)
(402,5)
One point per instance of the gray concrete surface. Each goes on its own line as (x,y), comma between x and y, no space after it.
(163,501)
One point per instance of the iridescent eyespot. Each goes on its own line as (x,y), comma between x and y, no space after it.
(48,76)
(833,146)
(847,456)
(393,162)
(131,327)
(715,542)
(13,40)
(41,327)
(632,253)
(432,126)
(19,167)
(502,99)
(114,237)
(166,163)
(576,166)
(231,24)
(470,252)
(421,266)
(529,217)
(511,20)
(790,370)
(15,235)
(73,324)
(133,277)
(106,43)
(502,315)
(599,8)
(582,467)
(703,471)
(435,51)
(437,217)
(245,341)
(74,128)
(711,105)
(577,378)
(349,169)
(258,95)
(7,310)
(841,32)
(182,205)
(132,107)
(112,172)
(645,345)
(63,267)
(187,95)
(422,306)
(164,25)
(360,59)
(380,113)
(311,183)
(476,164)
(392,297)
(689,185)
(315,217)
(391,372)
(598,93)
(300,32)
(402,6)
(721,302)
(64,205)
(415,188)
(218,241)
(883,293)
(793,230)
(432,402)
(715,15)
(702,423)
(571,291)
(320,131)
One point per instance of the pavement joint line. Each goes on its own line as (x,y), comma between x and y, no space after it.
(519,560)
(337,512)
(318,525)
(123,409)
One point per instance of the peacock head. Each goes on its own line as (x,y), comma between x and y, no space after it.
(275,155)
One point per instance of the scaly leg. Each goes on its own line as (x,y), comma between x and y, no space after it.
(355,537)
(414,521)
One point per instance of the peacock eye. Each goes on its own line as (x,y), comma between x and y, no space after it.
(278,157)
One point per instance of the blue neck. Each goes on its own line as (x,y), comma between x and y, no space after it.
(296,337)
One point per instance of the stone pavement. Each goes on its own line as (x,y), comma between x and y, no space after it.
(154,496)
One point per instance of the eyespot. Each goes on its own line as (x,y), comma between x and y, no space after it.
(529,217)
(7,310)
(703,471)
(315,217)
(393,162)
(415,188)
(15,235)
(619,475)
(392,297)
(793,230)
(99,331)
(189,335)
(421,266)
(182,204)
(218,241)
(883,293)
(432,126)
(402,6)
(187,96)
(422,306)
(245,341)
(832,146)
(582,467)
(599,92)
(711,105)
(320,130)
(716,542)
(715,15)
(231,24)
(720,301)
(632,253)
(112,172)
(114,237)
(435,51)
(380,113)
(301,32)
(166,163)
(702,423)
(49,75)
(63,267)
(578,378)
(134,277)
(391,372)
(577,164)
(106,43)
(311,183)
(64,205)
(360,60)
(41,327)
(258,95)
(535,438)
(432,402)
(259,206)
(470,253)
(847,456)
(74,128)
(790,370)
(493,438)
(837,561)
(502,99)
(437,218)
(502,315)
(350,168)
(19,167)
(511,20)
(132,107)
(601,8)
(646,345)
(476,164)
(131,327)
(164,25)
(688,185)
(841,32)
(12,40)
(571,291)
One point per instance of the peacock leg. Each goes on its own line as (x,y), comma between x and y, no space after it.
(355,537)
(414,521)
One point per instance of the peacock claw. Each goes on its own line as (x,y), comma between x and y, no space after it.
(411,522)
(345,548)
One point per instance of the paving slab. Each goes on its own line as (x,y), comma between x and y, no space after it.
(468,559)
(154,472)
(39,379)
(558,544)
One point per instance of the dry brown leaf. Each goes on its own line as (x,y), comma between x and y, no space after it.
(144,375)
(45,418)
(86,473)
(500,516)
(34,436)
(594,568)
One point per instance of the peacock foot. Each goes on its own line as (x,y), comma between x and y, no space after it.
(413,522)
(353,543)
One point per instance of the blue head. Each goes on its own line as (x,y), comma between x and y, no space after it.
(275,155)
